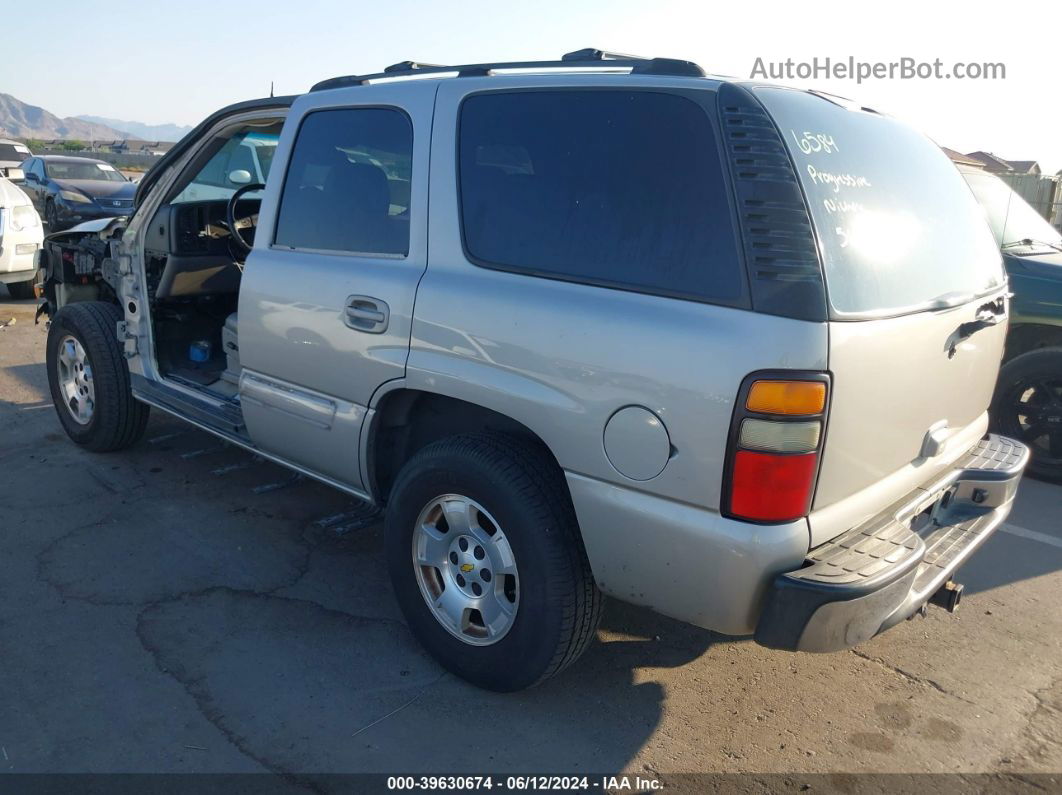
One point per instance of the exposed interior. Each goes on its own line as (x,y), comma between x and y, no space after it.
(194,266)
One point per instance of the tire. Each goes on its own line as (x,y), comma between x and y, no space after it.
(557,605)
(51,216)
(1028,406)
(115,419)
(21,290)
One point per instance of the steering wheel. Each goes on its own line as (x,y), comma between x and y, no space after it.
(230,217)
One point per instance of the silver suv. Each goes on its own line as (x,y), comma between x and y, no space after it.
(594,326)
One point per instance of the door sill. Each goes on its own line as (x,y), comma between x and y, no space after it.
(220,421)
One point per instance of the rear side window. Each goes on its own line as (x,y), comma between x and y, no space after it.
(348,183)
(615,188)
(897,226)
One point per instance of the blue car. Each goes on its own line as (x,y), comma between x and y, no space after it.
(1028,399)
(68,190)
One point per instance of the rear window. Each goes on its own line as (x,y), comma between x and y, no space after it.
(897,225)
(614,188)
(13,153)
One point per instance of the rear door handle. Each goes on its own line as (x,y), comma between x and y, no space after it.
(365,313)
(968,329)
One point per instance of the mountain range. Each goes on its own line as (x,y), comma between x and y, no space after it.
(146,132)
(19,119)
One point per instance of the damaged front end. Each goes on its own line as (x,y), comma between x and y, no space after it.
(79,264)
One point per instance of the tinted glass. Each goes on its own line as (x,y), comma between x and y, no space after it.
(618,188)
(13,152)
(250,151)
(348,181)
(897,225)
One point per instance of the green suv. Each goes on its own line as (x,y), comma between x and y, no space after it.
(1028,400)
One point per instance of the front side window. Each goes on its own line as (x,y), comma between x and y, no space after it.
(348,183)
(615,188)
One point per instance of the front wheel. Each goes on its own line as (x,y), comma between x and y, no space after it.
(89,378)
(51,216)
(1028,406)
(487,562)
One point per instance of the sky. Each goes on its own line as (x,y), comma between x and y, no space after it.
(179,61)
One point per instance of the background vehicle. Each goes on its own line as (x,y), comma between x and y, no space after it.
(576,341)
(1028,400)
(12,155)
(69,190)
(20,238)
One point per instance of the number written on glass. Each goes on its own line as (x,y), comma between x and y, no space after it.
(810,142)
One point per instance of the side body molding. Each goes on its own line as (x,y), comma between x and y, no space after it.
(324,436)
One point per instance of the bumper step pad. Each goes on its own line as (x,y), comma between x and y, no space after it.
(881,572)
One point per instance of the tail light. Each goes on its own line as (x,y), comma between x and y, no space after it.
(775,442)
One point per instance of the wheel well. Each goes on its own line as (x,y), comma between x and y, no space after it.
(1029,337)
(407,420)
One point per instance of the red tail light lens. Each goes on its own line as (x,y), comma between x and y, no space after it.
(772,488)
(774,448)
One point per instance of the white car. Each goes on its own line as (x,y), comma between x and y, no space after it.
(12,155)
(21,235)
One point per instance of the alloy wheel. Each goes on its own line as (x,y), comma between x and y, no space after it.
(466,569)
(75,380)
(1036,408)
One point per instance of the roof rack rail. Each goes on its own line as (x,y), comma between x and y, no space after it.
(410,66)
(588,58)
(590,54)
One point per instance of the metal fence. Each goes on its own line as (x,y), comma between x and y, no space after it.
(134,162)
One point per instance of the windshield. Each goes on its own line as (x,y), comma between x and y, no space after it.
(242,159)
(1011,218)
(897,227)
(13,153)
(87,169)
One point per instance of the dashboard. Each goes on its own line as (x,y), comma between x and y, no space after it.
(188,248)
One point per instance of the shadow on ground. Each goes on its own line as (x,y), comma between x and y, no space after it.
(281,627)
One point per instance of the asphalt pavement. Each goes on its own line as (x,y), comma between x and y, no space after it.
(185,607)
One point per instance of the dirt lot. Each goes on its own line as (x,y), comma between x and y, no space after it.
(183,606)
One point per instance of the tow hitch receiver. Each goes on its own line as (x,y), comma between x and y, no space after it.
(948,596)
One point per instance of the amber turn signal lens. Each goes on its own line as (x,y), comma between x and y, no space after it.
(787,397)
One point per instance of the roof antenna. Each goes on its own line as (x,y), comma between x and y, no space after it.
(270,89)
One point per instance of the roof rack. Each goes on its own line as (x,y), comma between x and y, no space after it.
(588,58)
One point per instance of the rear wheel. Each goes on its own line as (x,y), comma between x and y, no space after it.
(1028,406)
(21,290)
(487,562)
(89,378)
